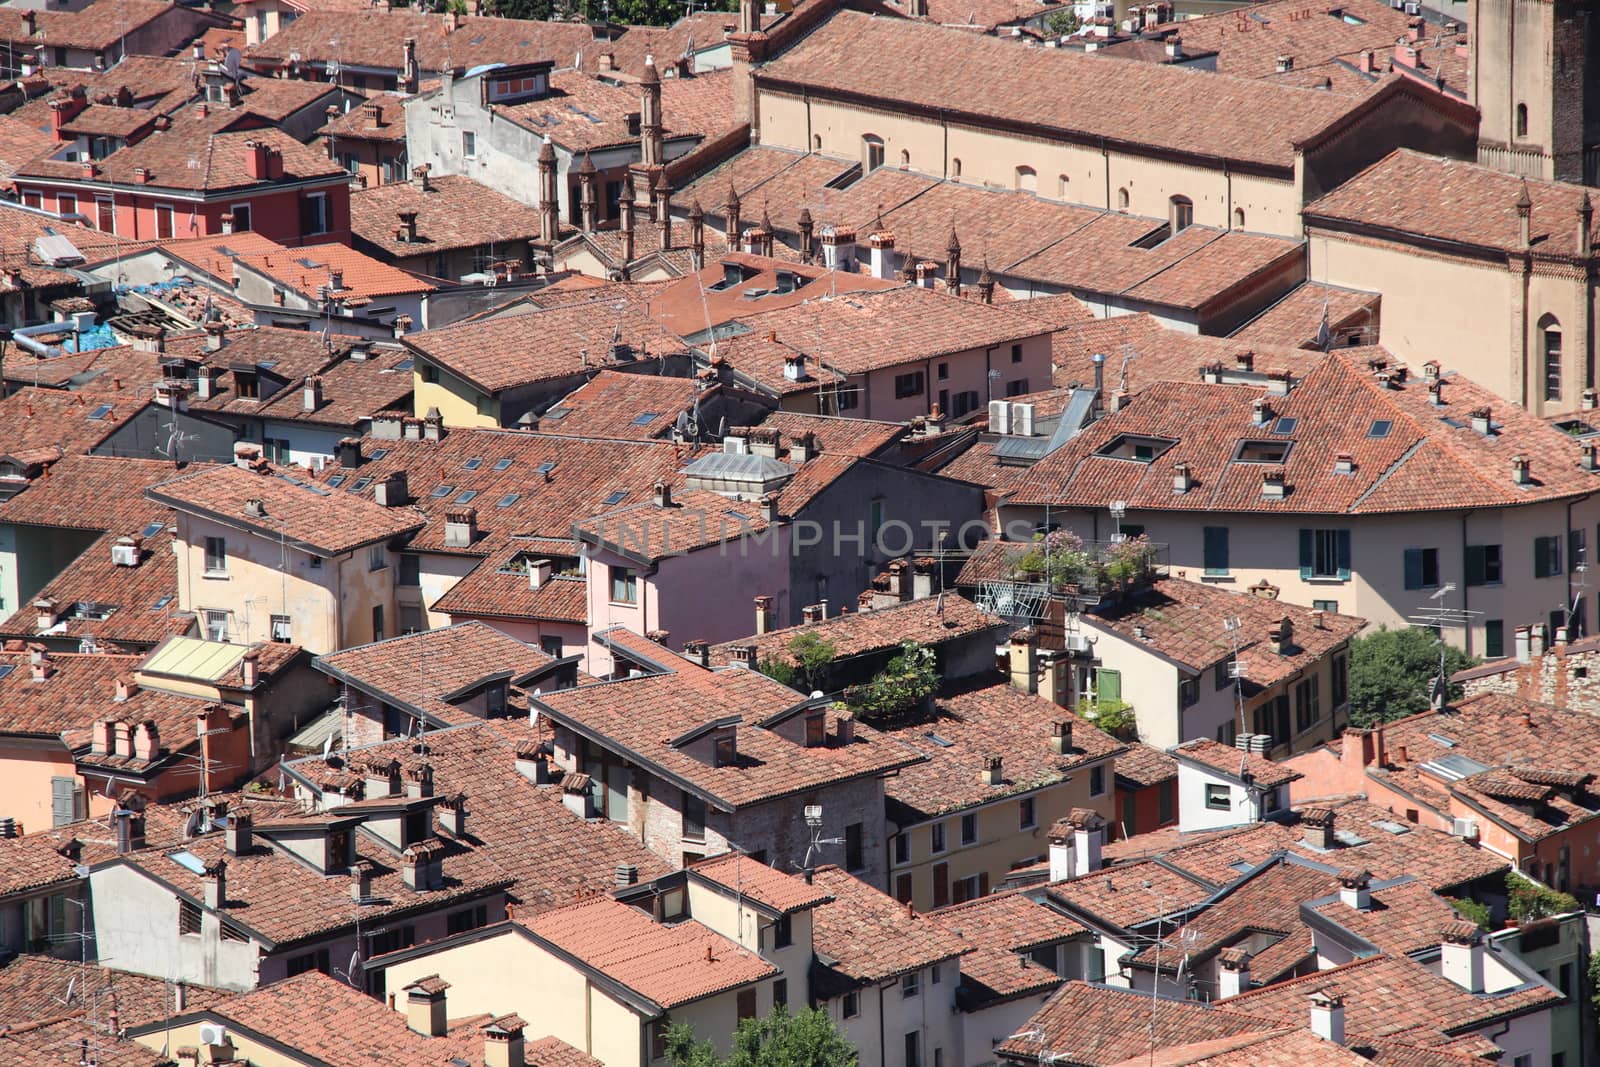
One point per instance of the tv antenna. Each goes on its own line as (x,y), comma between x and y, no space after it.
(813,817)
(1436,616)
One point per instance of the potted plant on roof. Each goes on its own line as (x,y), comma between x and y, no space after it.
(1057,559)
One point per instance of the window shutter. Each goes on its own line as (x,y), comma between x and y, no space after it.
(1474,565)
(1343,538)
(1413,568)
(1216,550)
(1306,555)
(63,800)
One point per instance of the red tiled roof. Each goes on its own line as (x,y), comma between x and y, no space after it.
(769,888)
(1145,765)
(1407,456)
(924,66)
(373,38)
(454,212)
(519,831)
(55,418)
(92,493)
(499,587)
(1000,929)
(616,404)
(1402,919)
(310,268)
(865,935)
(314,518)
(695,519)
(1234,762)
(1129,895)
(1273,1048)
(703,299)
(131,593)
(357,123)
(34,988)
(1140,351)
(641,715)
(352,391)
(981,720)
(931,620)
(836,434)
(1464,204)
(1431,1005)
(1180,620)
(419,670)
(1098,1026)
(499,354)
(19,142)
(96,27)
(1297,318)
(670,965)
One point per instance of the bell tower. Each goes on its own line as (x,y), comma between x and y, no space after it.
(1535,79)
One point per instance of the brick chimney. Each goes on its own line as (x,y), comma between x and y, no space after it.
(1061,737)
(239,837)
(215,885)
(255,160)
(992,772)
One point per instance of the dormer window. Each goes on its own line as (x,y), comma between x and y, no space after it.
(246,384)
(494,705)
(727,750)
(341,851)
(1135,447)
(1262,451)
(416,827)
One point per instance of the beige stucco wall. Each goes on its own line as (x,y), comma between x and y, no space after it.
(245,1048)
(1001,842)
(456,399)
(1265,547)
(988,157)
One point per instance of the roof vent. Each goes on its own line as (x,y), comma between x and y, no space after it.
(1521,470)
(255,508)
(1479,419)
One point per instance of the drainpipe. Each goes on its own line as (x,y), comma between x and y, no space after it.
(883,1051)
(1466,590)
(1105,167)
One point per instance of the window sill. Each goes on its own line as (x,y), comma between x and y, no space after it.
(1326,579)
(216,576)
(1226,577)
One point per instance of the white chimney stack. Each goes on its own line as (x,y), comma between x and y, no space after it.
(1327,1015)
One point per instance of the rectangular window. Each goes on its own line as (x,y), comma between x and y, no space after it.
(1217,797)
(66,800)
(1167,802)
(943,371)
(1325,554)
(908,385)
(1188,692)
(694,818)
(783,931)
(1339,676)
(459,922)
(469,144)
(377,557)
(1027,813)
(188,917)
(852,1005)
(216,624)
(936,837)
(1422,568)
(902,888)
(377,622)
(105,215)
(902,848)
(163,220)
(1016,353)
(658,1039)
(1330,606)
(1097,781)
(1216,550)
(282,629)
(1483,565)
(551,646)
(1552,364)
(1307,704)
(66,204)
(854,859)
(1494,638)
(969,829)
(393,940)
(780,992)
(914,1049)
(216,555)
(1546,557)
(727,750)
(314,213)
(410,570)
(746,1004)
(241,218)
(1222,675)
(624,586)
(1017,387)
(911,984)
(849,397)
(411,619)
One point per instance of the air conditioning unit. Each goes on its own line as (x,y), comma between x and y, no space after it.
(1077,643)
(213,1034)
(1466,829)
(1413,7)
(1000,416)
(125,553)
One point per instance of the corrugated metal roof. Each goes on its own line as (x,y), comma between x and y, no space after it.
(191,657)
(746,468)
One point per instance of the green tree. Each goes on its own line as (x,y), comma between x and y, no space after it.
(1594,979)
(902,685)
(1392,673)
(807,1038)
(1062,23)
(806,666)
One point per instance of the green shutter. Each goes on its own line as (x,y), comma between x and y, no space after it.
(1413,568)
(1216,550)
(1108,685)
(1343,538)
(1307,554)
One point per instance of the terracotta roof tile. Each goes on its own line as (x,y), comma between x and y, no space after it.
(352,391)
(767,887)
(1431,1005)
(1464,204)
(922,65)
(519,831)
(34,988)
(865,632)
(92,493)
(1273,1048)
(380,117)
(836,434)
(96,27)
(619,405)
(1000,929)
(19,142)
(141,599)
(372,38)
(1297,318)
(498,354)
(1180,620)
(642,715)
(670,965)
(40,418)
(454,212)
(1144,765)
(981,720)
(1402,919)
(500,587)
(418,671)
(1129,895)
(865,935)
(315,518)
(310,268)
(1233,762)
(1408,454)
(1098,1026)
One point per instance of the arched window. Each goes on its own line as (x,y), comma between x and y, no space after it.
(816,142)
(1027,180)
(1122,199)
(1061,186)
(905,159)
(1522,120)
(955,167)
(1238,218)
(1180,213)
(871,152)
(1550,346)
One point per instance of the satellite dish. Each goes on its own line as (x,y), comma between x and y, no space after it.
(327,746)
(230,63)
